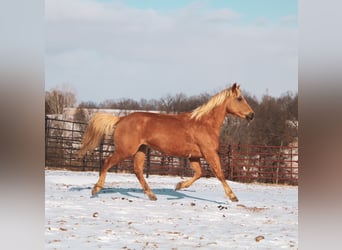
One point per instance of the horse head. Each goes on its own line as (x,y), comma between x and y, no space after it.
(237,104)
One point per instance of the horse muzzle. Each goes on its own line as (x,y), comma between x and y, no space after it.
(250,116)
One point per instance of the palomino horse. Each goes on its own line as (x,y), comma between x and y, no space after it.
(192,134)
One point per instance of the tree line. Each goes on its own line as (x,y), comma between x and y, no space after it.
(275,123)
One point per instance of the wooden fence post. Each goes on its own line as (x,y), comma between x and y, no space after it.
(84,162)
(185,164)
(291,155)
(101,155)
(230,168)
(278,162)
(71,143)
(46,138)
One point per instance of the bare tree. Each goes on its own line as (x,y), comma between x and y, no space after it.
(59,98)
(275,122)
(181,103)
(166,104)
(89,105)
(123,103)
(80,115)
(148,104)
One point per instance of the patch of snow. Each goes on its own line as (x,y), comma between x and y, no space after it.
(122,217)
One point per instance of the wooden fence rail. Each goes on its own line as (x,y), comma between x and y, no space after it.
(243,163)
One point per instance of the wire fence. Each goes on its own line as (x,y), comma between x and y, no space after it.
(243,163)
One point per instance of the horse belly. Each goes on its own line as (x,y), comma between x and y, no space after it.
(175,143)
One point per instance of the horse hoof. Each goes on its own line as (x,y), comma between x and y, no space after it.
(178,186)
(152,197)
(234,199)
(95,190)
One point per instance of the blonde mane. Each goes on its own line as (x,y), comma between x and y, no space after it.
(215,101)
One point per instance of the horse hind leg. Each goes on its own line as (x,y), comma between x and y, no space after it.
(110,161)
(139,159)
(196,166)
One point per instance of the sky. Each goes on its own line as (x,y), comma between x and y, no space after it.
(108,49)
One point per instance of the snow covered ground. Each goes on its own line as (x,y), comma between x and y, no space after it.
(122,217)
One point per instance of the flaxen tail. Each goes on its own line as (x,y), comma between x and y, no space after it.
(99,125)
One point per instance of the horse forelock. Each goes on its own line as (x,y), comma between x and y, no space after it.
(215,101)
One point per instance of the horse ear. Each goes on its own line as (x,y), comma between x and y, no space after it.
(235,87)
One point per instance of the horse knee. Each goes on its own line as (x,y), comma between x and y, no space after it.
(138,172)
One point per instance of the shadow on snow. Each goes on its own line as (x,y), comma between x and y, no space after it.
(171,193)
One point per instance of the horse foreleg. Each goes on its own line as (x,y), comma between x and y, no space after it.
(108,163)
(139,159)
(196,166)
(215,165)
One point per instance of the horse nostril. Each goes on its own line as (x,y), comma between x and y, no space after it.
(250,116)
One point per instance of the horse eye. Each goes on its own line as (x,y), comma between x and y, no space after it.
(239,98)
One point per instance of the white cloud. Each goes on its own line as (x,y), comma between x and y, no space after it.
(288,20)
(222,15)
(146,53)
(80,10)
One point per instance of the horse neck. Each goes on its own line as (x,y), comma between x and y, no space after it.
(215,117)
